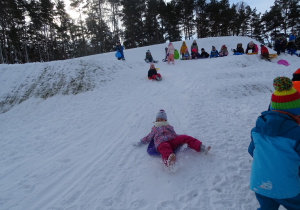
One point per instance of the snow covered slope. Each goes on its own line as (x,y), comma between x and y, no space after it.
(66,134)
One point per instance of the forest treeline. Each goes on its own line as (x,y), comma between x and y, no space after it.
(42,30)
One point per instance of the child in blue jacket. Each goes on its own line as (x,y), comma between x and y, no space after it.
(275,148)
(119,49)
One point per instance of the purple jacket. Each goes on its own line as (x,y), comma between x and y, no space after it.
(160,134)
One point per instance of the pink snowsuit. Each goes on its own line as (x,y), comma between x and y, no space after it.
(166,141)
(171,51)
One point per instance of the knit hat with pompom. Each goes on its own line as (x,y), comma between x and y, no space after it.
(161,114)
(285,97)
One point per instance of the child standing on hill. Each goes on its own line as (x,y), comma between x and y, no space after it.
(171,51)
(183,48)
(152,73)
(119,49)
(275,148)
(166,140)
(194,46)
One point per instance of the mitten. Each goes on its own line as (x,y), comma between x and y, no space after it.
(137,144)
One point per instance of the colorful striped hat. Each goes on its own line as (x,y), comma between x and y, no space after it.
(285,97)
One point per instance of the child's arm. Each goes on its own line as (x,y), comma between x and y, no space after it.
(148,138)
(251,147)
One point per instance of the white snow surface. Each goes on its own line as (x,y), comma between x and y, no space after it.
(74,151)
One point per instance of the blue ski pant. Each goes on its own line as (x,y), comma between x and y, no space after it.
(267,203)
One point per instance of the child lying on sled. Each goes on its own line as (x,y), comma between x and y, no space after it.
(166,140)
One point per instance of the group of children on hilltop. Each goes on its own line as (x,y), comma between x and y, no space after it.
(252,48)
(281,45)
(195,52)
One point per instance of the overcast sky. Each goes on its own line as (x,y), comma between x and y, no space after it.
(261,5)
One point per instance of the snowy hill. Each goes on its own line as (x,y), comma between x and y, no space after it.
(67,128)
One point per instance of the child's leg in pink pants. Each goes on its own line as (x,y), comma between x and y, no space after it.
(166,148)
(171,58)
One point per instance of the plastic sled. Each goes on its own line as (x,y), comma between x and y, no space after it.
(237,53)
(283,62)
(118,55)
(147,61)
(152,150)
(176,54)
(272,56)
(252,53)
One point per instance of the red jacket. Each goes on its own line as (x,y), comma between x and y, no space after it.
(263,49)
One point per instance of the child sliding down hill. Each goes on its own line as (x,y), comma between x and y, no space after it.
(166,140)
(152,73)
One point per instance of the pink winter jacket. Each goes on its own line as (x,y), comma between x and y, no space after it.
(171,49)
(160,134)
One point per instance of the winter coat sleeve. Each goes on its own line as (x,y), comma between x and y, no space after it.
(251,147)
(255,49)
(148,138)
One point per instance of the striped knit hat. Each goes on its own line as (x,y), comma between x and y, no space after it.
(285,97)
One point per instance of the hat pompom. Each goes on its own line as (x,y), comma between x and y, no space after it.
(282,83)
(285,97)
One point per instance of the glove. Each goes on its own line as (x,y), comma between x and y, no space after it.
(137,144)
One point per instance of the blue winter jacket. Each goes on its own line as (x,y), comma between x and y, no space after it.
(275,148)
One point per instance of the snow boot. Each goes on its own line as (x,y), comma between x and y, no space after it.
(171,160)
(204,148)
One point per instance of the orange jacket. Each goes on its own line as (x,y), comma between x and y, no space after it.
(296,85)
(183,48)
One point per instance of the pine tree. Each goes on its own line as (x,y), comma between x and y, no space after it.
(201,20)
(115,14)
(132,17)
(62,26)
(187,17)
(256,26)
(273,20)
(173,21)
(152,29)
